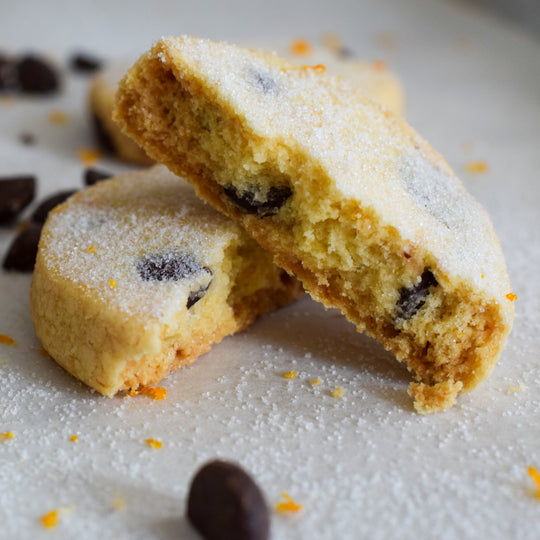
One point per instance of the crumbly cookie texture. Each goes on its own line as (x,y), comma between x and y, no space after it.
(101,104)
(374,78)
(346,196)
(136,277)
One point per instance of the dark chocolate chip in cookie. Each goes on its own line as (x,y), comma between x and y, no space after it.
(264,82)
(16,192)
(39,215)
(102,137)
(6,73)
(84,63)
(270,204)
(411,299)
(168,267)
(224,503)
(93,176)
(36,76)
(195,296)
(21,255)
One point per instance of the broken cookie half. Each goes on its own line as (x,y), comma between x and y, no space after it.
(136,277)
(345,195)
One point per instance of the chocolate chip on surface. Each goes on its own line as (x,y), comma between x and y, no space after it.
(270,205)
(36,76)
(16,192)
(39,215)
(21,255)
(411,299)
(225,503)
(168,267)
(93,176)
(85,63)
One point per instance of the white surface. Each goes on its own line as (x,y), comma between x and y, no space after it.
(365,466)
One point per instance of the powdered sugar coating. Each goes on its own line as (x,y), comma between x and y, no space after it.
(104,233)
(373,157)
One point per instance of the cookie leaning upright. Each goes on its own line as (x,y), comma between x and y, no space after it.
(136,276)
(346,196)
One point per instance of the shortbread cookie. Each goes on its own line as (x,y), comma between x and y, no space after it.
(136,277)
(374,78)
(101,103)
(346,196)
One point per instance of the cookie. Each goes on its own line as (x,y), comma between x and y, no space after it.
(374,78)
(135,277)
(101,102)
(347,197)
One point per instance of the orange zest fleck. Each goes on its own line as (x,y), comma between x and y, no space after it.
(301,47)
(318,67)
(6,340)
(88,157)
(155,392)
(511,296)
(112,283)
(73,438)
(90,249)
(338,392)
(50,520)
(476,167)
(7,435)
(535,475)
(290,374)
(57,117)
(153,443)
(288,505)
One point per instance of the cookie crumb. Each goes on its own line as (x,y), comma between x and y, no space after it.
(520,388)
(316,381)
(49,520)
(290,374)
(476,167)
(301,47)
(6,340)
(7,435)
(317,67)
(288,505)
(154,443)
(155,392)
(438,397)
(112,283)
(338,392)
(535,475)
(73,438)
(511,296)
(90,249)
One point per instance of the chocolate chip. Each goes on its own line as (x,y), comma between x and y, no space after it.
(84,63)
(27,138)
(411,299)
(36,76)
(265,82)
(224,503)
(102,137)
(195,296)
(93,176)
(16,192)
(168,267)
(274,199)
(21,255)
(39,215)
